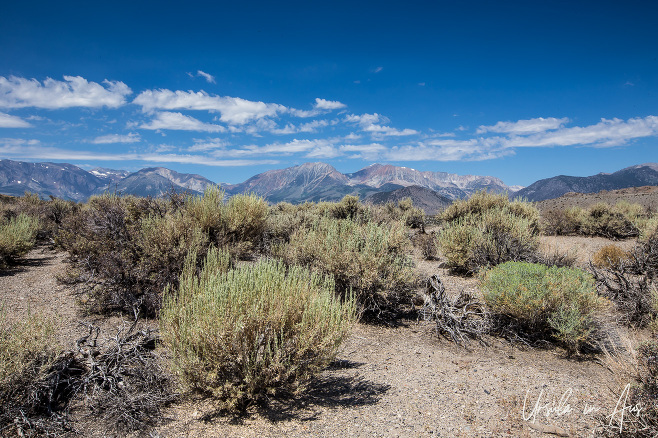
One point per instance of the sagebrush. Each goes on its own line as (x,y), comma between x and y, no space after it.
(241,335)
(544,303)
(487,230)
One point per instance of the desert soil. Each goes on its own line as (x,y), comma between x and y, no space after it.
(646,196)
(402,381)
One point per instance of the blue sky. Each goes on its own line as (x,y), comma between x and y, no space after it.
(518,90)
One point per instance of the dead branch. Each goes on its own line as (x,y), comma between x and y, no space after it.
(459,319)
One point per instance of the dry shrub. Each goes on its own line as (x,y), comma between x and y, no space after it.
(368,259)
(623,220)
(641,368)
(17,236)
(460,318)
(130,248)
(244,334)
(427,245)
(540,303)
(348,208)
(124,384)
(284,219)
(631,282)
(559,222)
(238,224)
(50,213)
(487,230)
(610,257)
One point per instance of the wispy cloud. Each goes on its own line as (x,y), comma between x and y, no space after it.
(529,126)
(116,138)
(180,122)
(378,69)
(372,123)
(9,121)
(233,110)
(280,149)
(208,145)
(309,127)
(30,149)
(74,91)
(606,133)
(208,77)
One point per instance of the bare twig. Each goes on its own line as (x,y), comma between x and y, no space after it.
(458,319)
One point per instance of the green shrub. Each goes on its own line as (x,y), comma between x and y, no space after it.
(367,258)
(620,221)
(27,352)
(243,334)
(347,208)
(283,219)
(487,230)
(238,224)
(17,237)
(549,303)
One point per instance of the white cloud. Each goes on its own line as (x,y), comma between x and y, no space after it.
(323,151)
(371,123)
(9,121)
(116,138)
(208,77)
(378,69)
(233,110)
(30,149)
(529,126)
(606,133)
(312,148)
(208,145)
(180,122)
(366,151)
(76,91)
(309,127)
(323,104)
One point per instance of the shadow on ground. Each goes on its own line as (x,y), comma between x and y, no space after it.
(325,391)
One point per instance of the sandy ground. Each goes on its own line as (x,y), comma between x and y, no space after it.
(400,381)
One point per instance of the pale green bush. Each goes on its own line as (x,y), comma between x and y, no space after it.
(21,342)
(548,303)
(243,334)
(619,221)
(17,237)
(487,230)
(367,258)
(238,223)
(27,352)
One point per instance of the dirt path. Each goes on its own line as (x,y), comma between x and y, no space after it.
(388,382)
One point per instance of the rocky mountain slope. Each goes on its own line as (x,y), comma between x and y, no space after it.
(156,181)
(67,181)
(549,188)
(57,179)
(321,181)
(427,199)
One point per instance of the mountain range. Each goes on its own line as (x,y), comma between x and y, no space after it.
(549,188)
(306,182)
(377,183)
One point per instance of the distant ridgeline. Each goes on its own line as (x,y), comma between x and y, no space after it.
(376,183)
